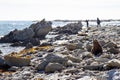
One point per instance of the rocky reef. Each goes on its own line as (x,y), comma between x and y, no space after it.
(32,34)
(66,56)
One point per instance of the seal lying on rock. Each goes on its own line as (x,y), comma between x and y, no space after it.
(96,49)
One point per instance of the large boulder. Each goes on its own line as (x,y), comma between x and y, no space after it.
(51,58)
(18,35)
(41,28)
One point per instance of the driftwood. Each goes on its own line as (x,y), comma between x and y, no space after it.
(96,49)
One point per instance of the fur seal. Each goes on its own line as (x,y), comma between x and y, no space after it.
(96,49)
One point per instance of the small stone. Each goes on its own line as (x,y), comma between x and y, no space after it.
(87,55)
(88,47)
(29,45)
(52,67)
(110,45)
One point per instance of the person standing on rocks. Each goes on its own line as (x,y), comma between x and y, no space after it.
(87,23)
(98,22)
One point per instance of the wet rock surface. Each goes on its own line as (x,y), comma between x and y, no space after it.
(68,57)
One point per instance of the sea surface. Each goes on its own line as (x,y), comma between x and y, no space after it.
(7,26)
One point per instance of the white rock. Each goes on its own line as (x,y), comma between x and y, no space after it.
(87,78)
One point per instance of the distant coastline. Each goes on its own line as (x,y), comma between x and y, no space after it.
(91,20)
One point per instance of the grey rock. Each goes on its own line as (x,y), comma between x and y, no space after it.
(51,58)
(88,47)
(110,45)
(55,58)
(113,50)
(41,28)
(2,61)
(29,45)
(42,65)
(24,34)
(52,67)
(87,55)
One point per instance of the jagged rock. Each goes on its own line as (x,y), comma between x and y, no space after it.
(71,28)
(32,34)
(9,38)
(41,28)
(96,49)
(24,34)
(16,61)
(52,67)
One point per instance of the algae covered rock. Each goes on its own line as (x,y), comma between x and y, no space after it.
(17,61)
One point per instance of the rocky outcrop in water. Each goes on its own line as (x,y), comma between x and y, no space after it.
(71,28)
(32,34)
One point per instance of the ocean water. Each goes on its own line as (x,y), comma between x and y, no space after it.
(7,26)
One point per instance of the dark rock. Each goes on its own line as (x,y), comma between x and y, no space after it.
(71,28)
(0,52)
(94,67)
(52,67)
(96,49)
(17,44)
(35,41)
(29,45)
(113,50)
(2,61)
(32,34)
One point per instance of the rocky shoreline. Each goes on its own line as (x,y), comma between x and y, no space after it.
(66,56)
